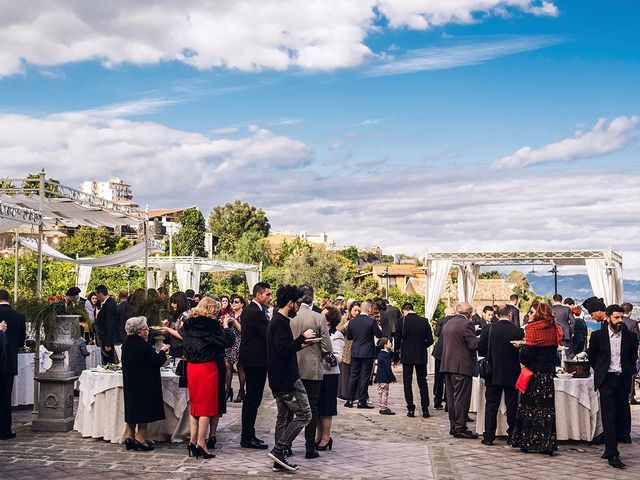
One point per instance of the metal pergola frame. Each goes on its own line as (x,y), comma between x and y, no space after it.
(541,257)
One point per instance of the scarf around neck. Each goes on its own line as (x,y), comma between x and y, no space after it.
(542,334)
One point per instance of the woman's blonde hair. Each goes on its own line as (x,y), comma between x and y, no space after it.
(207,307)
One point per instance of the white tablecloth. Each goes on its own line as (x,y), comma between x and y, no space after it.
(22,393)
(577,409)
(101,408)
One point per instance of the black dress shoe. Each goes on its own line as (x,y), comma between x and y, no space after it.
(426,414)
(451,431)
(468,434)
(469,419)
(365,405)
(254,444)
(348,404)
(311,454)
(624,439)
(487,442)
(604,456)
(411,413)
(8,436)
(438,406)
(615,462)
(258,440)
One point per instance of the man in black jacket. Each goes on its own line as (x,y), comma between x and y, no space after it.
(294,412)
(613,352)
(15,337)
(362,330)
(495,344)
(253,357)
(414,337)
(438,380)
(107,325)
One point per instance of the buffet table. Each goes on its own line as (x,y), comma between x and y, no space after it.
(101,408)
(577,409)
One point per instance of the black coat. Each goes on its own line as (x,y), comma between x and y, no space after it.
(362,330)
(108,324)
(385,324)
(505,364)
(437,350)
(16,335)
(413,337)
(143,402)
(539,359)
(282,356)
(253,344)
(515,315)
(125,312)
(393,314)
(204,339)
(384,373)
(599,354)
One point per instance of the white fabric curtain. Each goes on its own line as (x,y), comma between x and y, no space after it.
(195,278)
(252,279)
(84,274)
(183,274)
(467,280)
(438,273)
(606,280)
(151,278)
(160,276)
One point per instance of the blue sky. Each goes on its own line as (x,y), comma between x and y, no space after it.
(494,124)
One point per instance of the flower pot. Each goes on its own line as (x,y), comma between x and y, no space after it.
(60,339)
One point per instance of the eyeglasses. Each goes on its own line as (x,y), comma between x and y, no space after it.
(236,301)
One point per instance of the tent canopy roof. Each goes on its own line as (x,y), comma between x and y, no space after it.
(205,265)
(15,216)
(544,257)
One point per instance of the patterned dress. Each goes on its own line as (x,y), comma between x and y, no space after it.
(231,354)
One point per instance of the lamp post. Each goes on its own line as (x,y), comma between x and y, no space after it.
(385,274)
(554,270)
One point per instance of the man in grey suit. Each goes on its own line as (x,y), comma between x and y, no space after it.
(459,363)
(361,331)
(565,319)
(310,360)
(632,326)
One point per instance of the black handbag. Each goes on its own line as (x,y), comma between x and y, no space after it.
(484,365)
(181,371)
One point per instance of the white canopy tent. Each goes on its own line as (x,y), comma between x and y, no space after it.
(604,268)
(188,270)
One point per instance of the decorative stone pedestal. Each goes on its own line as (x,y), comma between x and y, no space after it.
(55,401)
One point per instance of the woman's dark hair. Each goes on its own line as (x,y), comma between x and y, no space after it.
(224,296)
(333,315)
(239,297)
(180,299)
(286,294)
(353,304)
(542,311)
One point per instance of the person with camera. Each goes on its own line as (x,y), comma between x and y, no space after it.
(310,360)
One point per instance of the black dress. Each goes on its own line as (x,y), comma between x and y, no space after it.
(143,402)
(535,428)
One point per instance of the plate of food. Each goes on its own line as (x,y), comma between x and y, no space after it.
(564,375)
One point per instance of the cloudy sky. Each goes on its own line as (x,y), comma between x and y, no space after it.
(409,124)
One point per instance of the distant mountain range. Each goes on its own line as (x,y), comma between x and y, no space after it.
(577,286)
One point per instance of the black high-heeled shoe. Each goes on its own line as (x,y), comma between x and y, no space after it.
(201,452)
(230,395)
(191,449)
(211,442)
(142,447)
(129,443)
(328,446)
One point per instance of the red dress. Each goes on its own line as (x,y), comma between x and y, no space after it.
(202,379)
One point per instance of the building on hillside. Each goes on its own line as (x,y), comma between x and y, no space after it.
(275,239)
(395,276)
(114,190)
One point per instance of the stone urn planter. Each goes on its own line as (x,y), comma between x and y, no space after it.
(55,399)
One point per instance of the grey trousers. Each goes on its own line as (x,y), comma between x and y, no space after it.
(458,400)
(294,413)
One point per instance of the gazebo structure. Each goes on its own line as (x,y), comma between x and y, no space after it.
(604,268)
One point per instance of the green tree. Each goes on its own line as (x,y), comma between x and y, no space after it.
(251,247)
(230,221)
(491,275)
(351,253)
(89,242)
(32,182)
(190,237)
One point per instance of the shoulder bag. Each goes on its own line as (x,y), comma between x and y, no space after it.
(484,364)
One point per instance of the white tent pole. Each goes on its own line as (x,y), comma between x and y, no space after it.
(15,267)
(146,250)
(41,178)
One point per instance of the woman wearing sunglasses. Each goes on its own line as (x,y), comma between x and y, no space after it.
(237,303)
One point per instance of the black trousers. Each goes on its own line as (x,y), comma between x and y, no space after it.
(313,394)
(615,410)
(360,376)
(438,385)
(108,357)
(256,377)
(458,400)
(6,386)
(493,395)
(407,380)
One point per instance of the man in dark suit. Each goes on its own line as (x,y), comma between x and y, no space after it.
(15,337)
(632,326)
(190,294)
(414,338)
(362,330)
(459,363)
(124,313)
(107,325)
(393,314)
(438,381)
(253,357)
(505,369)
(613,352)
(564,318)
(515,311)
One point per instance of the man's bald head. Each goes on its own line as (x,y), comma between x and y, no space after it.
(465,309)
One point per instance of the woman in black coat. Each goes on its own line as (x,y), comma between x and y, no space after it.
(142,385)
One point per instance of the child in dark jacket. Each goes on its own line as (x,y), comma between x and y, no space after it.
(384,374)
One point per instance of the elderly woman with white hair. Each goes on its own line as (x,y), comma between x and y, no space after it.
(142,385)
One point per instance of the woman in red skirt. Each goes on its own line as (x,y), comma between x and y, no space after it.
(204,341)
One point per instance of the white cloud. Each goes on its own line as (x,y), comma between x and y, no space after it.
(602,139)
(469,53)
(226,130)
(245,35)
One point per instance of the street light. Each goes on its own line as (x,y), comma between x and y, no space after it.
(554,270)
(385,274)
